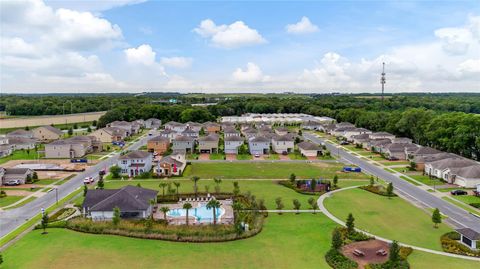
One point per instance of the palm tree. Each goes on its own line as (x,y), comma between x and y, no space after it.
(217,184)
(195,179)
(152,203)
(214,204)
(187,206)
(164,210)
(177,185)
(236,210)
(207,188)
(163,185)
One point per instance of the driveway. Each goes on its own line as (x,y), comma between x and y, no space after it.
(230,157)
(204,156)
(283,157)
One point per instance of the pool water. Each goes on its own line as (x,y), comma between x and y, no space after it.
(199,213)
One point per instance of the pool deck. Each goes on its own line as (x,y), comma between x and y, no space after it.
(225,218)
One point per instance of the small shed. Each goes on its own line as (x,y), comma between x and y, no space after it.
(469,237)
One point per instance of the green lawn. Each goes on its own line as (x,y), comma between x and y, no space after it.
(9,200)
(457,202)
(268,170)
(427,181)
(390,163)
(390,218)
(24,202)
(217,156)
(20,155)
(262,189)
(244,157)
(467,198)
(269,249)
(409,180)
(296,156)
(273,157)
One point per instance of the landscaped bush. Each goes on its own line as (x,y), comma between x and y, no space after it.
(3,194)
(337,260)
(173,198)
(380,190)
(405,252)
(159,230)
(61,214)
(476,205)
(402,264)
(451,244)
(294,187)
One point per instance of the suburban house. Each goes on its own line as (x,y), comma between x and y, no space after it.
(232,143)
(441,168)
(421,160)
(381,135)
(74,147)
(5,150)
(14,174)
(226,125)
(169,134)
(175,126)
(190,133)
(265,129)
(208,144)
(227,132)
(361,139)
(259,145)
(309,149)
(110,134)
(158,144)
(130,127)
(396,151)
(47,133)
(171,165)
(376,145)
(22,143)
(3,140)
(469,237)
(195,126)
(340,131)
(311,125)
(281,130)
(135,162)
(20,133)
(356,131)
(152,123)
(468,177)
(249,132)
(133,202)
(211,127)
(401,140)
(184,144)
(422,152)
(282,144)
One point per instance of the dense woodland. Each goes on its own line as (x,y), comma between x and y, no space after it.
(449,122)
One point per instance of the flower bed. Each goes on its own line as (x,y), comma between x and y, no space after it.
(296,188)
(450,243)
(62,214)
(377,190)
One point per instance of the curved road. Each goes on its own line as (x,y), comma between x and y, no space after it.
(13,218)
(460,217)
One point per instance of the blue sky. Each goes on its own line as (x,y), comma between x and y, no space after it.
(245,46)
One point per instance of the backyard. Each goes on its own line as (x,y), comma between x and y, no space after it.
(392,218)
(237,170)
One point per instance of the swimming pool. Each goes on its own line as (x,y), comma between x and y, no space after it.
(199,213)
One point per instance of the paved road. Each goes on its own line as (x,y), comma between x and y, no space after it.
(459,217)
(263,161)
(13,218)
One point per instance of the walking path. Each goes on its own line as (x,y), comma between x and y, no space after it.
(324,210)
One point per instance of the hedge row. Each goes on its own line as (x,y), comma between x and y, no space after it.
(377,190)
(337,260)
(289,185)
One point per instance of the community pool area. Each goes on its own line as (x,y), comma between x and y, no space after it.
(201,213)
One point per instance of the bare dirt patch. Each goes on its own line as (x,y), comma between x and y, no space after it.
(370,248)
(17,193)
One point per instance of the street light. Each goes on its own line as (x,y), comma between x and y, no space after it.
(56,194)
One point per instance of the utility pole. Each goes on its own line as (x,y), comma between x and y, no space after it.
(383,80)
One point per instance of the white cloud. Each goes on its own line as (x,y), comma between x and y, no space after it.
(144,54)
(93,6)
(304,26)
(469,67)
(235,35)
(252,74)
(176,62)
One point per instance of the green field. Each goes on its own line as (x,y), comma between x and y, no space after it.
(268,170)
(21,155)
(262,189)
(9,200)
(392,218)
(217,156)
(24,202)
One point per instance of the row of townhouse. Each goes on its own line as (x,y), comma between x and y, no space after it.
(449,167)
(74,147)
(275,118)
(27,139)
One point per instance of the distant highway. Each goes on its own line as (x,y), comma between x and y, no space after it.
(458,216)
(13,218)
(22,121)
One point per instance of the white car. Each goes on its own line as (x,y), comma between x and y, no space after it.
(88,180)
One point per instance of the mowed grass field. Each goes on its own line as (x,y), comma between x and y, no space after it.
(251,170)
(263,189)
(392,218)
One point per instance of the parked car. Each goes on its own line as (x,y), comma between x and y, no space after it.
(344,143)
(257,155)
(88,180)
(284,153)
(13,182)
(458,192)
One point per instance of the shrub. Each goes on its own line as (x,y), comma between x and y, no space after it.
(337,260)
(377,190)
(476,205)
(61,214)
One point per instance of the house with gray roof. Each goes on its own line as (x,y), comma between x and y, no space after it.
(169,134)
(74,147)
(152,123)
(9,176)
(230,131)
(135,162)
(309,149)
(195,126)
(18,143)
(47,133)
(20,133)
(133,202)
(259,145)
(190,133)
(283,143)
(6,150)
(183,143)
(208,144)
(469,237)
(349,132)
(232,143)
(397,151)
(440,168)
(175,126)
(382,135)
(130,127)
(281,130)
(311,125)
(467,177)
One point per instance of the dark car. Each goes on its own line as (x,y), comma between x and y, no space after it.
(344,143)
(458,192)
